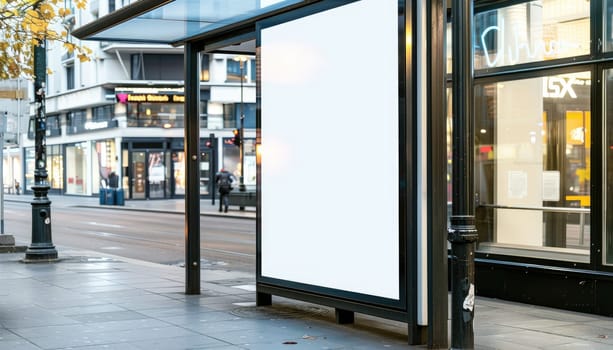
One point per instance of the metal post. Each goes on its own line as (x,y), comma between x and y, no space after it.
(462,232)
(241,182)
(2,130)
(192,171)
(42,248)
(213,167)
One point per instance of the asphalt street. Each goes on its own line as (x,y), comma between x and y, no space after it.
(226,242)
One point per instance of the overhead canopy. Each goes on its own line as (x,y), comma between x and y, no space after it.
(177,21)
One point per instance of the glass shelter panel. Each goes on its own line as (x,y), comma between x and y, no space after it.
(531,32)
(532,166)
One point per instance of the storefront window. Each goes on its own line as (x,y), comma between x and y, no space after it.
(178,166)
(532,166)
(608,166)
(531,32)
(55,167)
(76,168)
(231,160)
(29,168)
(155,115)
(104,163)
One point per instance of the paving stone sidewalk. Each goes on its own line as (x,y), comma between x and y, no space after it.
(93,301)
(90,301)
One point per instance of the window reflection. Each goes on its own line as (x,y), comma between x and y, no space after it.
(532,166)
(531,32)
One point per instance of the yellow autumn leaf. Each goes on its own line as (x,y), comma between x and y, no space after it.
(69,47)
(49,71)
(83,57)
(63,12)
(46,11)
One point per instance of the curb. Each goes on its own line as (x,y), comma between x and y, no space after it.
(161,211)
(13,249)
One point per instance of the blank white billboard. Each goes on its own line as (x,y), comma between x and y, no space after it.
(330,149)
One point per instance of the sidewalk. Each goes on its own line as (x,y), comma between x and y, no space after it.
(94,301)
(157,205)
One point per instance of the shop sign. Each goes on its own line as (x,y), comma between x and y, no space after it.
(96,125)
(150,98)
(557,87)
(518,49)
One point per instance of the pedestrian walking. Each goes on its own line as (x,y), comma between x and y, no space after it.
(224,180)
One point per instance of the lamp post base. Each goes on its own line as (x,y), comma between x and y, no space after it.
(42,248)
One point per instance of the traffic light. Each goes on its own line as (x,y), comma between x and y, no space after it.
(210,141)
(237,137)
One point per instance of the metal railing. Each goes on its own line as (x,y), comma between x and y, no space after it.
(567,210)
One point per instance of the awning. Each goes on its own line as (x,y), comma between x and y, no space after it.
(177,21)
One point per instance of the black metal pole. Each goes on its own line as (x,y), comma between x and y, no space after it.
(213,167)
(241,186)
(462,232)
(192,173)
(41,248)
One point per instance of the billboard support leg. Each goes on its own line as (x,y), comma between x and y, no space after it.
(263,299)
(344,316)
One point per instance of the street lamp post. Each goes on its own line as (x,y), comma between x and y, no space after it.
(42,248)
(241,180)
(462,232)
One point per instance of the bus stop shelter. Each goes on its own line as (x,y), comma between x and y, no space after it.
(342,85)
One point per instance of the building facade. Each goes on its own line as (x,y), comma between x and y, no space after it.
(122,112)
(543,184)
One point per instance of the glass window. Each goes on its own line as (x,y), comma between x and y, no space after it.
(160,115)
(76,168)
(103,113)
(104,163)
(233,70)
(231,160)
(531,32)
(53,127)
(178,166)
(75,121)
(608,166)
(205,74)
(30,157)
(229,116)
(532,166)
(157,67)
(608,24)
(252,70)
(70,77)
(55,167)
